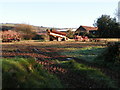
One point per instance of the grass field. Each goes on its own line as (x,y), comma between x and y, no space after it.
(71,62)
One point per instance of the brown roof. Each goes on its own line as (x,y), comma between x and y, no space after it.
(89,28)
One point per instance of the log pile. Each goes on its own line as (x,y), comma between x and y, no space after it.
(9,36)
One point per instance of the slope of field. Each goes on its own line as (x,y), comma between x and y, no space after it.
(26,73)
(71,62)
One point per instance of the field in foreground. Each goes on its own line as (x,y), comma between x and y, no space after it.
(71,63)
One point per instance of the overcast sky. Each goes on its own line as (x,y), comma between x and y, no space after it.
(56,13)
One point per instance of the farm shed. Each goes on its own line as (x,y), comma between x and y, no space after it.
(87,29)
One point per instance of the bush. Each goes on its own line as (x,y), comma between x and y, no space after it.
(110,57)
(41,37)
(112,54)
(26,73)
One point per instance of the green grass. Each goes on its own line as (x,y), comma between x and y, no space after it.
(17,72)
(87,53)
(100,61)
(88,77)
(26,73)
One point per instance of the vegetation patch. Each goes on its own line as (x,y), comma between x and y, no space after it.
(110,58)
(86,53)
(86,77)
(26,73)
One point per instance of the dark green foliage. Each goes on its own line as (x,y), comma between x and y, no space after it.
(108,27)
(26,73)
(113,53)
(110,58)
(37,37)
(41,37)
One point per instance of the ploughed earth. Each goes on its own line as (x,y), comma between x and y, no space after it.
(46,52)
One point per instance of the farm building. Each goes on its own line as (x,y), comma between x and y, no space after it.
(87,29)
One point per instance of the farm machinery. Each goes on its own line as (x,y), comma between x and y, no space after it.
(86,39)
(56,35)
(81,38)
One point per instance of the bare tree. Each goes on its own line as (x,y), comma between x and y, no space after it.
(25,30)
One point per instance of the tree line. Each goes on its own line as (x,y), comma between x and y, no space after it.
(107,28)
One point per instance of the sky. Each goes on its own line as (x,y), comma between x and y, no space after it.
(56,13)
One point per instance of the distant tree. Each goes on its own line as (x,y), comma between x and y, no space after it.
(26,31)
(70,34)
(41,37)
(107,27)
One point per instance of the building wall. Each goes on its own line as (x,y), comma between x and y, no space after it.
(80,29)
(93,32)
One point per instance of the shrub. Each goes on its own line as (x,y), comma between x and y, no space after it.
(112,54)
(110,57)
(41,37)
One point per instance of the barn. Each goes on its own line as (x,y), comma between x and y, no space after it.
(86,29)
